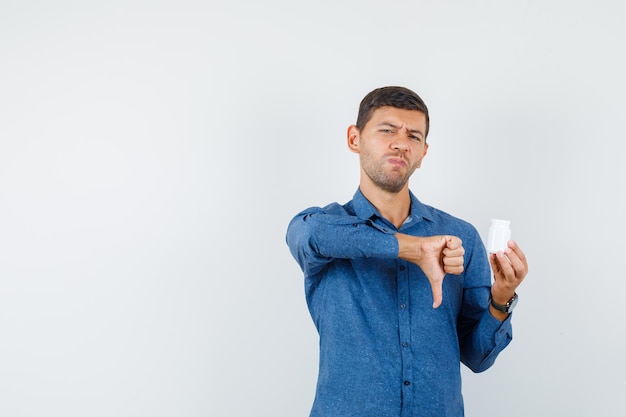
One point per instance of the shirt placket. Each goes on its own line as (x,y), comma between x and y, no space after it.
(404,318)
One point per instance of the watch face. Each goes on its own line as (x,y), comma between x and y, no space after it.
(511,304)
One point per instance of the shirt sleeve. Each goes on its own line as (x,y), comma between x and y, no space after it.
(481,336)
(316,236)
(482,344)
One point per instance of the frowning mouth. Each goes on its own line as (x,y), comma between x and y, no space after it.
(397,160)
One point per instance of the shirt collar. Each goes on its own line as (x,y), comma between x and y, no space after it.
(366,210)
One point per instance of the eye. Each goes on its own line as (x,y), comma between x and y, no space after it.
(417,138)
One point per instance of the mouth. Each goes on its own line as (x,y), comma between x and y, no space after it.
(397,161)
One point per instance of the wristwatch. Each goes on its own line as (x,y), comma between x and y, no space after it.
(506,308)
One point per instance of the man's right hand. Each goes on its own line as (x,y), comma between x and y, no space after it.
(436,256)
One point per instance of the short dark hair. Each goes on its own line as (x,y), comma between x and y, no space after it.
(399,97)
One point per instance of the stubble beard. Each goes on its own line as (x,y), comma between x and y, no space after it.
(390,180)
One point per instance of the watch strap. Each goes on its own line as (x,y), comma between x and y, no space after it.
(506,308)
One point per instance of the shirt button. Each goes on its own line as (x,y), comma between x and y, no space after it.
(401,267)
(405,344)
(402,306)
(407,382)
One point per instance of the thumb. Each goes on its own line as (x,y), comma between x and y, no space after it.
(437,290)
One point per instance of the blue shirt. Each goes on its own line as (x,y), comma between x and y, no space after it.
(384,350)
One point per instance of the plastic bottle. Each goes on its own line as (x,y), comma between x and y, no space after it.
(499,235)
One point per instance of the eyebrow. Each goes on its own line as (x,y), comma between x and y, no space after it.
(398,127)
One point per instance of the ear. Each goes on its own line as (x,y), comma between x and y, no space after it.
(354,136)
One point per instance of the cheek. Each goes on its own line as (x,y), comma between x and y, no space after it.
(418,160)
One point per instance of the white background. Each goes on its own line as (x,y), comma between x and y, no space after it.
(153,152)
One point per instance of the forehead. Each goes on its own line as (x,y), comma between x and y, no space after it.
(411,119)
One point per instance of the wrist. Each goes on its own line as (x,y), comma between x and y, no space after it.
(501,295)
(407,248)
(504,307)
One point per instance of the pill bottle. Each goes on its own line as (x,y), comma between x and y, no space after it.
(499,235)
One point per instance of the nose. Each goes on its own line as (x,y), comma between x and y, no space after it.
(400,144)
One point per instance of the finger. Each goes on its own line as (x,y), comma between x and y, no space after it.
(495,266)
(455,270)
(518,266)
(453,242)
(460,251)
(518,258)
(505,267)
(453,260)
(453,264)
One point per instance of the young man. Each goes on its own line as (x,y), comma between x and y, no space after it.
(392,330)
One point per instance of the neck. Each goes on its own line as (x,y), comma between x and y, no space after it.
(394,207)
